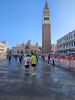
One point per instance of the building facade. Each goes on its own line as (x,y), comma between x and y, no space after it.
(46,30)
(53,48)
(66,44)
(18,48)
(25,47)
(3,48)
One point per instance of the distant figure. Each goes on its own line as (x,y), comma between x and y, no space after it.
(20,59)
(9,58)
(37,58)
(53,62)
(48,59)
(15,56)
(43,57)
(27,64)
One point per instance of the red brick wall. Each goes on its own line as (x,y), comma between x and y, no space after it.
(46,38)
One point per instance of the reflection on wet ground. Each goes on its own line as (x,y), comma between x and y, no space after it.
(50,82)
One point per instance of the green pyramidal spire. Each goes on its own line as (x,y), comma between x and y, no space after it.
(46,5)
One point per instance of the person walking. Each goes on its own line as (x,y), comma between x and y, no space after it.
(20,59)
(43,57)
(48,59)
(37,57)
(27,64)
(9,58)
(33,63)
(53,62)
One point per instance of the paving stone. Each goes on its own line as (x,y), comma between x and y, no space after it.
(50,83)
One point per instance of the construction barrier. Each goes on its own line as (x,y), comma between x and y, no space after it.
(67,61)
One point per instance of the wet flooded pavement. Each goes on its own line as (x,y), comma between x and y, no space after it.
(50,82)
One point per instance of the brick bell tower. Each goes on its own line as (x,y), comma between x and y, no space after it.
(46,30)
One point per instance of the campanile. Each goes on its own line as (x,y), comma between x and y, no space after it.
(46,30)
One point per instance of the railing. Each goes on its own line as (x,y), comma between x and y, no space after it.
(68,61)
